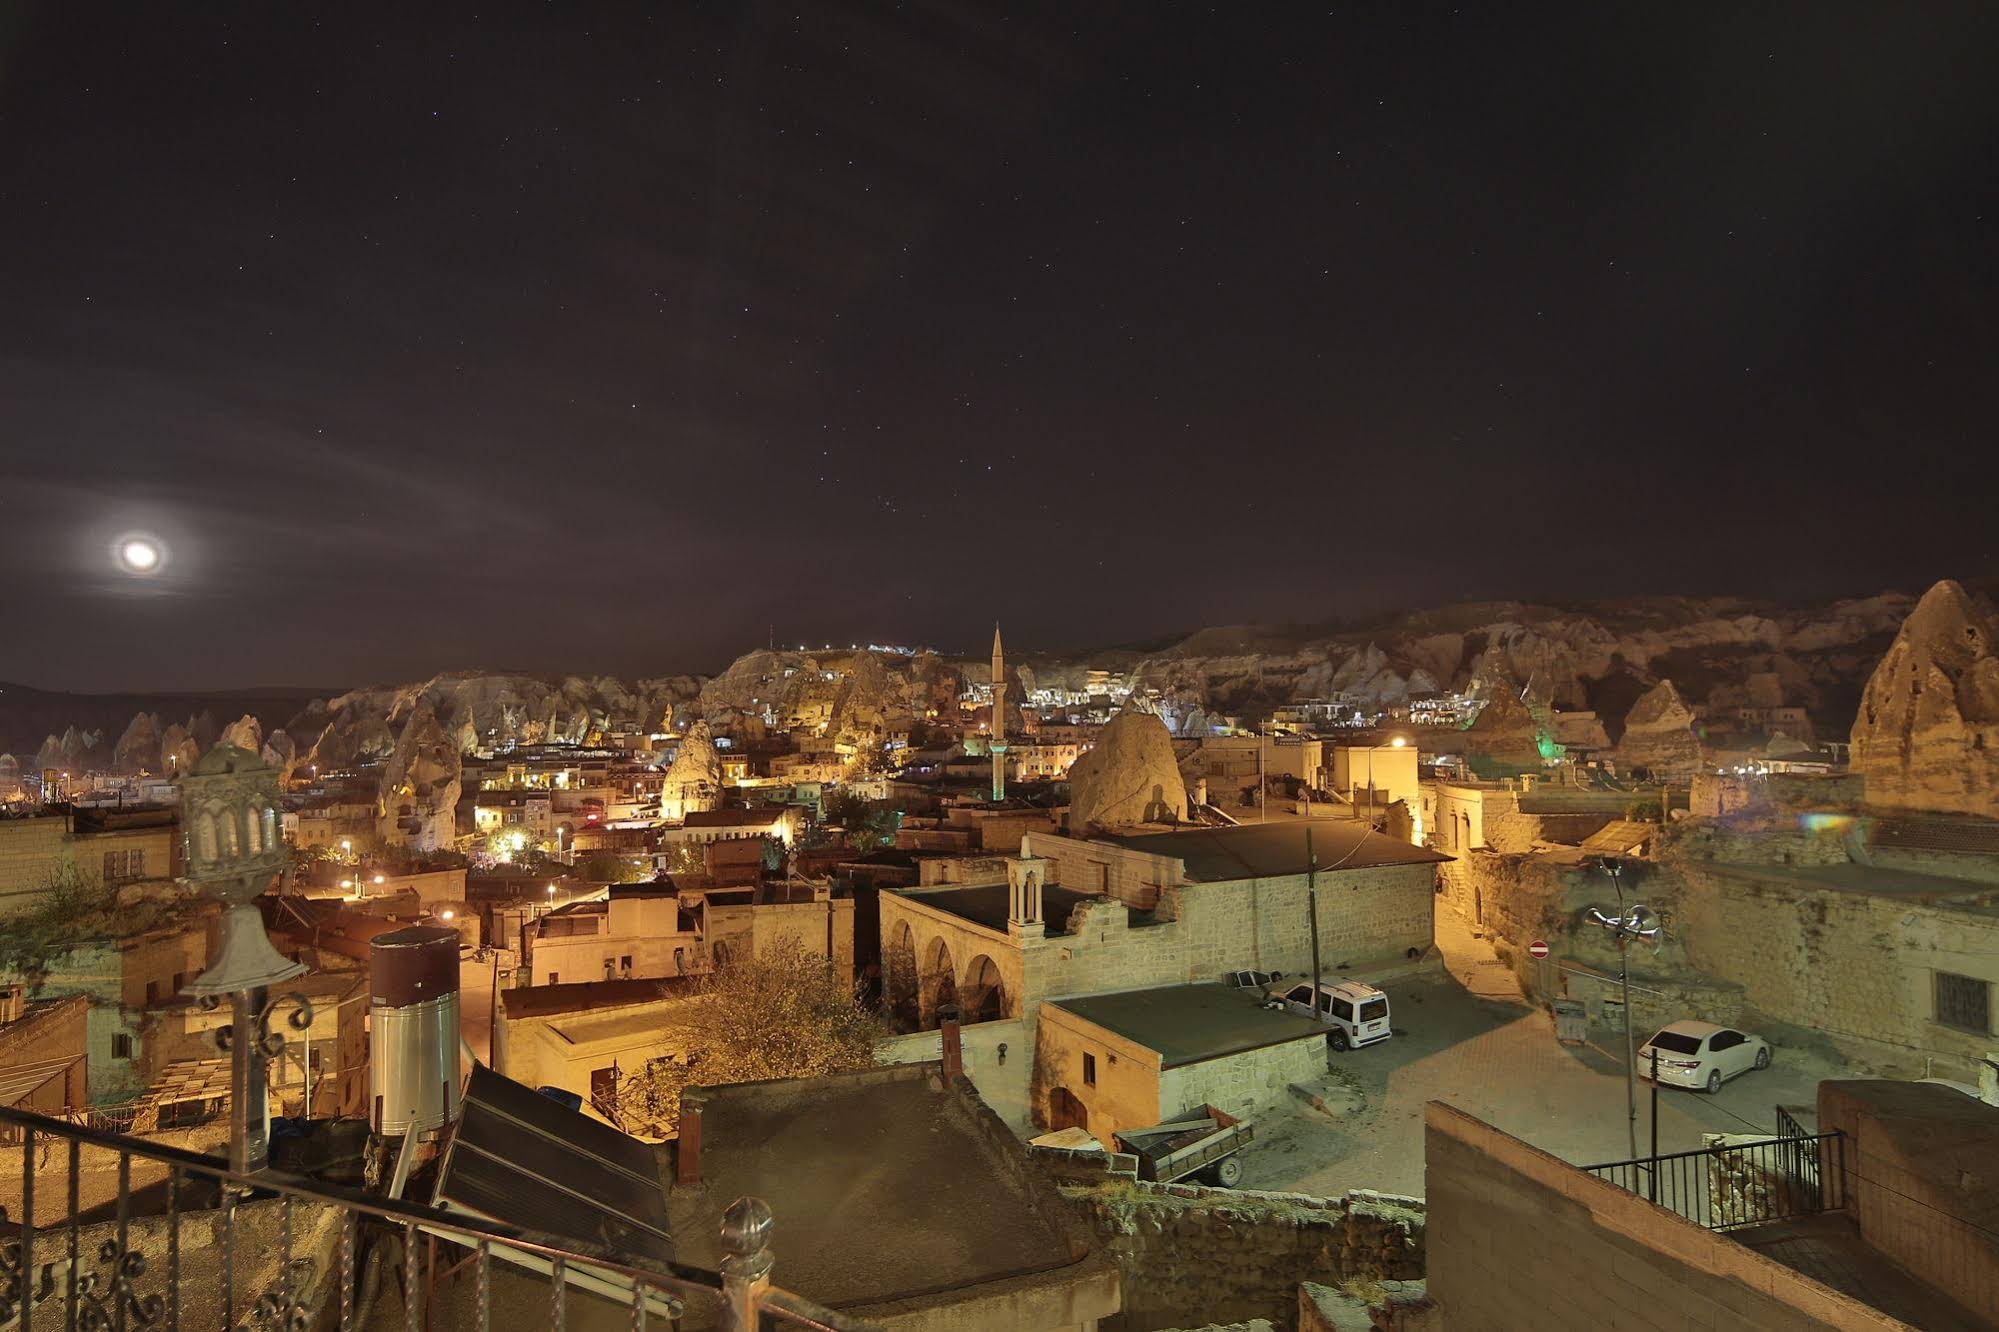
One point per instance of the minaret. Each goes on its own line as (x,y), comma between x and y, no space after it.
(997,742)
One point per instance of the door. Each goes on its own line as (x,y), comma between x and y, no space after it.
(1731,1052)
(1066,1111)
(1299,1001)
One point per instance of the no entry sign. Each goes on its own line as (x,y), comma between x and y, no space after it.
(1537,949)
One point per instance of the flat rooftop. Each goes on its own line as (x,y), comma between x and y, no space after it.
(1873,881)
(987,904)
(884,1184)
(1191,1024)
(584,996)
(1273,850)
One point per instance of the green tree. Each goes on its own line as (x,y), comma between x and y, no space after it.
(784,1014)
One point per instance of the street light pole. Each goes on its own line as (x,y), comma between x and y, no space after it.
(1312,910)
(1635,922)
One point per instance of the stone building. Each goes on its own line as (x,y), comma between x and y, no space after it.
(901,1201)
(105,848)
(584,1037)
(1122,911)
(1111,1062)
(44,1047)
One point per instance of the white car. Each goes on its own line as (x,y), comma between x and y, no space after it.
(1355,1013)
(1701,1055)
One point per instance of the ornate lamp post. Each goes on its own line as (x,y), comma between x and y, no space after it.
(1636,922)
(229,803)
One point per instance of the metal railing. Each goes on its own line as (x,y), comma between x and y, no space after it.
(1731,1185)
(195,1244)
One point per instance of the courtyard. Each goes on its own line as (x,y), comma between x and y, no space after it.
(1464,1036)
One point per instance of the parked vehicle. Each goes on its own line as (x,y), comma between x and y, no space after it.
(1201,1143)
(1702,1055)
(1252,980)
(1356,1013)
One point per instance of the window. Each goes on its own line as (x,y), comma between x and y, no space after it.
(120,866)
(1725,1040)
(121,1046)
(1301,994)
(555,978)
(1964,1003)
(1342,1010)
(1089,1070)
(152,993)
(625,962)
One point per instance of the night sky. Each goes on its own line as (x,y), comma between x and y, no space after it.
(607,339)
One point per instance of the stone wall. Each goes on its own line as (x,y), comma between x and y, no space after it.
(1519,1239)
(50,1031)
(30,850)
(1192,1256)
(1247,1084)
(1857,968)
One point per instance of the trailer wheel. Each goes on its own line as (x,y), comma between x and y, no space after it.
(1228,1173)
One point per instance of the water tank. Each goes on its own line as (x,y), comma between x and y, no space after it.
(413,1076)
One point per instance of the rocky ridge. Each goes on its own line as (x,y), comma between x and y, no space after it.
(1927,734)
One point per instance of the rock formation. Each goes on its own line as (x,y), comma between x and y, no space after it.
(1659,735)
(1130,776)
(416,804)
(246,733)
(1927,735)
(138,749)
(693,780)
(178,751)
(1505,731)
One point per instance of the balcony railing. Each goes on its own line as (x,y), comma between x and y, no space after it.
(110,1232)
(1731,1185)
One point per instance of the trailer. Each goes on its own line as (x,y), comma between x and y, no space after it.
(1199,1143)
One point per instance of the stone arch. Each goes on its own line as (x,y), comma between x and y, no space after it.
(982,997)
(936,980)
(206,845)
(899,989)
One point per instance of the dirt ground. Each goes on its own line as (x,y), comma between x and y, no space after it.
(1465,1037)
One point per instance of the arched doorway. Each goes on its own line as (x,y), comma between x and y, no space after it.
(899,994)
(937,981)
(983,997)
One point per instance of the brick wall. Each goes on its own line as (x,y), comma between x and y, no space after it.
(1194,1256)
(1519,1239)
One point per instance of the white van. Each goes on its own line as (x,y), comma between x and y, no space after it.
(1357,1013)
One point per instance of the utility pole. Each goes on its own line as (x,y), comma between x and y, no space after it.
(1262,783)
(1312,910)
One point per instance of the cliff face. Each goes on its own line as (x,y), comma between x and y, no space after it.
(1601,655)
(1927,736)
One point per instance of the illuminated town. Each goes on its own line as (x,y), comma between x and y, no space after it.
(514,817)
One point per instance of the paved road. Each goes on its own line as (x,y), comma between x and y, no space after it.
(1492,1056)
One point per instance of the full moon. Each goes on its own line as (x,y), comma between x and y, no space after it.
(139,554)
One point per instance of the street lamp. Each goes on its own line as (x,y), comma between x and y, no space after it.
(1635,922)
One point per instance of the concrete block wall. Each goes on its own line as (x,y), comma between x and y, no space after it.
(1518,1239)
(1196,1256)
